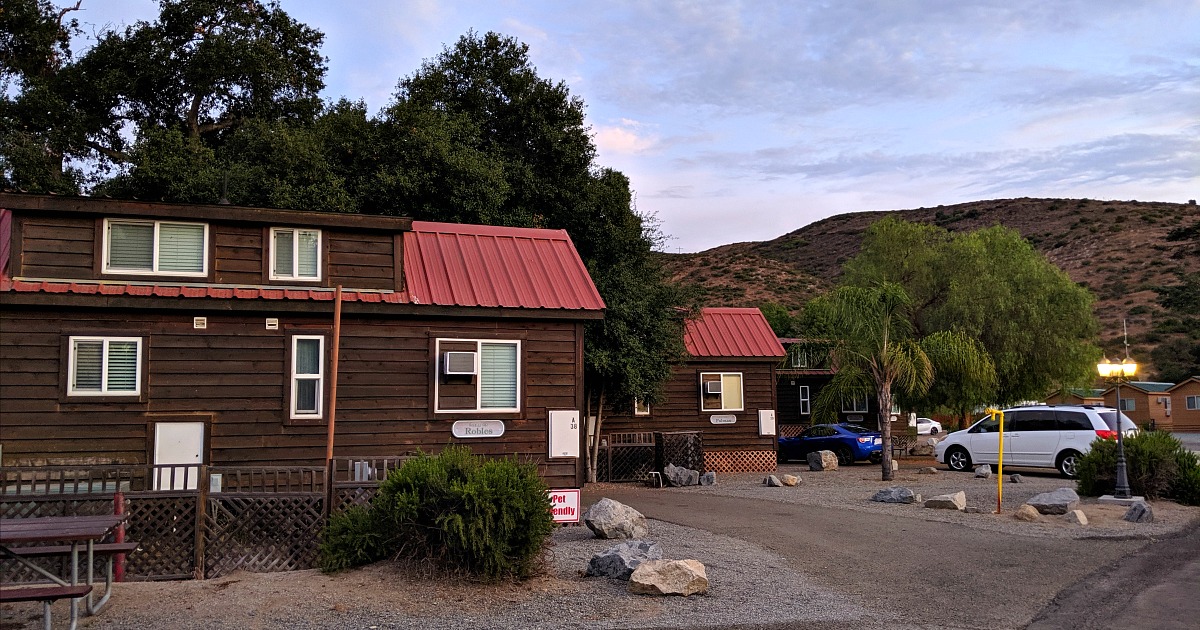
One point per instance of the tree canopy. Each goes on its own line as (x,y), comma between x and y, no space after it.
(993,286)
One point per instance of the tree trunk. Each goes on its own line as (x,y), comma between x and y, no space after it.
(595,446)
(885,420)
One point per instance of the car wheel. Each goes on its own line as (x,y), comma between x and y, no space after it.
(1068,464)
(958,459)
(933,431)
(875,457)
(844,456)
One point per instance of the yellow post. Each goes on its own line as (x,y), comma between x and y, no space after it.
(1000,466)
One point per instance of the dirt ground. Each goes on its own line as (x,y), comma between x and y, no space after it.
(313,599)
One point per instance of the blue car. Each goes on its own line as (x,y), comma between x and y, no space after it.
(849,442)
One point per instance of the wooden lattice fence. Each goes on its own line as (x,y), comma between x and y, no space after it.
(164,522)
(681,448)
(625,457)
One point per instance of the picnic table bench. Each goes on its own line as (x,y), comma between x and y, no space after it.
(75,530)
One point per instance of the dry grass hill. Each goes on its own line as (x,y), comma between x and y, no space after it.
(1121,250)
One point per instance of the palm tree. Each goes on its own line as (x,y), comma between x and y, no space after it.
(875,352)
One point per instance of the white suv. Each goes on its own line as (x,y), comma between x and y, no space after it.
(1038,435)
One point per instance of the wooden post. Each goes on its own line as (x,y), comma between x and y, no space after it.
(202,486)
(333,378)
(119,535)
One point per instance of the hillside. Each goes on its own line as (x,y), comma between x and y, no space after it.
(1118,249)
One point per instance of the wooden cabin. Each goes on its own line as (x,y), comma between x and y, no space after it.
(802,375)
(725,391)
(1185,405)
(1147,403)
(1076,396)
(134,332)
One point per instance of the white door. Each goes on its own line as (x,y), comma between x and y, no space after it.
(178,443)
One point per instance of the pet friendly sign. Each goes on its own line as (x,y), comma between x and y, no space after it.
(564,505)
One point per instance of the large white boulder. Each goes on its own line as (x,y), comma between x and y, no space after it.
(956,501)
(1060,501)
(613,519)
(822,460)
(668,577)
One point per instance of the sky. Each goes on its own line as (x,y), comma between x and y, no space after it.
(740,121)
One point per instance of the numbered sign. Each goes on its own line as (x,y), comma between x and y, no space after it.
(564,433)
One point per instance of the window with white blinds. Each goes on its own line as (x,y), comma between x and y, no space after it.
(498,382)
(105,366)
(155,247)
(295,254)
(308,375)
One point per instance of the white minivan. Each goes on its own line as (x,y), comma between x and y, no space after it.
(1042,436)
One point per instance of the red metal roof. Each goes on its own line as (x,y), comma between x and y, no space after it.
(480,265)
(180,291)
(731,332)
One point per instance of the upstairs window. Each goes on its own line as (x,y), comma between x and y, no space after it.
(641,407)
(155,247)
(295,254)
(105,366)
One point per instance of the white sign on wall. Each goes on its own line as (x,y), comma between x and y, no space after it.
(730,419)
(477,429)
(563,433)
(766,422)
(564,505)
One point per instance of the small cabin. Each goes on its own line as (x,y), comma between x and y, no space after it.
(725,391)
(1185,405)
(1147,403)
(1077,396)
(155,333)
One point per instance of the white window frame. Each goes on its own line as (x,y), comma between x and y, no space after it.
(800,359)
(1128,404)
(153,271)
(1192,403)
(639,409)
(103,391)
(721,376)
(275,275)
(805,401)
(319,377)
(437,381)
(853,400)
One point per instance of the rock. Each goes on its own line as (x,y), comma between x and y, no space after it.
(1077,517)
(983,471)
(956,501)
(895,494)
(971,509)
(613,519)
(822,460)
(921,450)
(917,498)
(678,476)
(1139,512)
(668,577)
(895,465)
(1060,501)
(619,561)
(1027,513)
(1016,479)
(772,482)
(790,480)
(932,441)
(708,479)
(928,470)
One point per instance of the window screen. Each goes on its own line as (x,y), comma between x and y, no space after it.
(497,376)
(105,366)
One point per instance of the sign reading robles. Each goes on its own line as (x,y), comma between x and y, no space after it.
(477,429)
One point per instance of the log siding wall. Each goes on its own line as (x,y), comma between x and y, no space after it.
(236,374)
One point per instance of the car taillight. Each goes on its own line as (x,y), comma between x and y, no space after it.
(1105,434)
(865,440)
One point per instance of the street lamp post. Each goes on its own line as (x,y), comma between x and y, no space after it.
(1117,373)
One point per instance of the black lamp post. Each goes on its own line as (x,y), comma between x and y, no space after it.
(1117,373)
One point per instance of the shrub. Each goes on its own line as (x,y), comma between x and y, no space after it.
(1156,463)
(486,517)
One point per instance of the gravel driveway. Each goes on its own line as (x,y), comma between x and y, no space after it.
(819,555)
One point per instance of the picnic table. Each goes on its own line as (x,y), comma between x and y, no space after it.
(76,532)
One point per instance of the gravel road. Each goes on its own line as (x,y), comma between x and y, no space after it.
(819,555)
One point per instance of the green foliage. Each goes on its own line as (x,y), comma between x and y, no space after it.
(780,319)
(1177,356)
(1156,463)
(992,285)
(486,517)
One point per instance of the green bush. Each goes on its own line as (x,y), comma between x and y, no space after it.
(486,517)
(1156,463)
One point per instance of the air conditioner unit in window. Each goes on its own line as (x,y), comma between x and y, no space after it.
(459,363)
(712,387)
